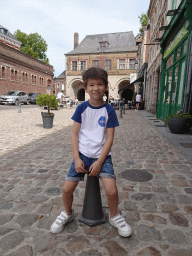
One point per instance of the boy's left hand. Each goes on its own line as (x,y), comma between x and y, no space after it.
(95,168)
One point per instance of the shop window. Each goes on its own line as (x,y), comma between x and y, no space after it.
(108,64)
(175,85)
(74,65)
(3,72)
(165,88)
(83,65)
(185,46)
(181,83)
(122,64)
(169,61)
(95,63)
(178,53)
(169,87)
(131,63)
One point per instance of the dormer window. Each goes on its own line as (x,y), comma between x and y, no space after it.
(103,46)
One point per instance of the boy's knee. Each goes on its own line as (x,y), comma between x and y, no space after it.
(112,193)
(68,191)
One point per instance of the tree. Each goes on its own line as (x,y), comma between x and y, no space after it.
(143,19)
(33,45)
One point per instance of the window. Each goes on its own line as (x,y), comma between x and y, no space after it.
(15,75)
(185,46)
(95,63)
(131,63)
(74,65)
(122,64)
(58,85)
(108,64)
(181,83)
(26,78)
(3,72)
(83,65)
(12,74)
(169,61)
(103,46)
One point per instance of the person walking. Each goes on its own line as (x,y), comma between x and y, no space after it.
(138,100)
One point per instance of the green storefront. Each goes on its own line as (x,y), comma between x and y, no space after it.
(175,49)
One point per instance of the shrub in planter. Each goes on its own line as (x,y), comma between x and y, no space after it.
(50,102)
(179,122)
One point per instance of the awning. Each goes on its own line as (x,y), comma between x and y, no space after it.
(140,79)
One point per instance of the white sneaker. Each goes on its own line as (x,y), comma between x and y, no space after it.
(119,222)
(60,222)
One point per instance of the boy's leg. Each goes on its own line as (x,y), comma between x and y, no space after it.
(115,219)
(67,194)
(67,215)
(112,194)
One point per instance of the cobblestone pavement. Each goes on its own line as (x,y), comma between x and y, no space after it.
(33,165)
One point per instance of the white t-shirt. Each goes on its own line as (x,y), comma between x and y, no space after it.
(138,98)
(94,123)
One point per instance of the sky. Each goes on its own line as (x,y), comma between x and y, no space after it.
(57,21)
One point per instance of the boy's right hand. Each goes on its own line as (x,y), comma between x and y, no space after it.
(79,166)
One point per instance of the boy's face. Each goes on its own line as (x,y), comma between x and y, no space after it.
(96,88)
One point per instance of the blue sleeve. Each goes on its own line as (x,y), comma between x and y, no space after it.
(112,120)
(77,115)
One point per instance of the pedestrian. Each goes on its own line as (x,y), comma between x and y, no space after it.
(91,139)
(138,100)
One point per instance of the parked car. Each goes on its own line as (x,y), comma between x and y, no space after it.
(32,97)
(14,97)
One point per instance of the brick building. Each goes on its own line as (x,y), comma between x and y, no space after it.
(60,83)
(19,71)
(157,16)
(114,52)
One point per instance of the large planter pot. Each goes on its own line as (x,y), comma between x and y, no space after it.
(178,125)
(47,120)
(189,121)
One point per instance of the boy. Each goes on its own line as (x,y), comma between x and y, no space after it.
(91,140)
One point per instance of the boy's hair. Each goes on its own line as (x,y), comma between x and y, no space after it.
(95,73)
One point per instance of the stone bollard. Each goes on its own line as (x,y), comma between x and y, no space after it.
(19,109)
(92,213)
(121,116)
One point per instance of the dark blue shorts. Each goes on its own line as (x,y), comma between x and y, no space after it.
(107,170)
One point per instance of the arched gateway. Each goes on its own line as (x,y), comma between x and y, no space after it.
(78,89)
(125,91)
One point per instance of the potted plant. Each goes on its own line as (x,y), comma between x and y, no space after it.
(179,122)
(50,102)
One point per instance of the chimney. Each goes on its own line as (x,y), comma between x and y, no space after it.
(76,39)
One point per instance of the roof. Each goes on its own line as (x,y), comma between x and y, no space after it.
(62,75)
(117,42)
(7,33)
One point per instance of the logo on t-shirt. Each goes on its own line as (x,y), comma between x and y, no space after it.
(102,121)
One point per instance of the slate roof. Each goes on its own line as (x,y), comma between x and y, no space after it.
(62,75)
(8,33)
(118,42)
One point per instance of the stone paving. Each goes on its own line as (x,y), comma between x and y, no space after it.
(33,165)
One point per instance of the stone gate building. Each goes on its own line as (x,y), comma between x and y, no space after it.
(114,52)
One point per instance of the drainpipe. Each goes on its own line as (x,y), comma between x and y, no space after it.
(188,94)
